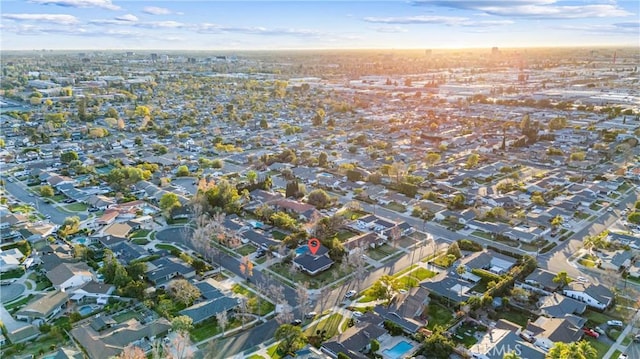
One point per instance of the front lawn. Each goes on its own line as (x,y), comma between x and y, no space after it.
(167,247)
(329,324)
(422,274)
(141,233)
(246,249)
(514,316)
(598,345)
(277,235)
(381,252)
(316,281)
(444,261)
(14,273)
(397,207)
(140,241)
(464,334)
(76,207)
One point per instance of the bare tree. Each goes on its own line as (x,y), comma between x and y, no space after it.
(179,347)
(243,309)
(132,352)
(359,266)
(222,320)
(395,235)
(302,296)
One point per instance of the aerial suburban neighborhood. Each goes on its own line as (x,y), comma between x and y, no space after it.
(466,204)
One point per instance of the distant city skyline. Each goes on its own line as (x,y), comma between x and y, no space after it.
(273,25)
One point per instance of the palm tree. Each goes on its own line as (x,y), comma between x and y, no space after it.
(563,278)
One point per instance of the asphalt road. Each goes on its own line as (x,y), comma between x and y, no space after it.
(20,192)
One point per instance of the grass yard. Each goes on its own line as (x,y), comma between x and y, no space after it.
(15,273)
(19,302)
(397,207)
(422,274)
(482,234)
(23,208)
(273,353)
(277,235)
(141,233)
(76,207)
(124,316)
(246,249)
(514,316)
(344,235)
(444,261)
(596,318)
(352,215)
(330,324)
(43,283)
(167,247)
(256,356)
(601,347)
(315,282)
(140,241)
(205,330)
(381,252)
(438,315)
(588,261)
(464,334)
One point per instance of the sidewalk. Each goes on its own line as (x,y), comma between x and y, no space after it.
(618,344)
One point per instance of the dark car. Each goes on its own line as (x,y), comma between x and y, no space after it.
(70,200)
(296,322)
(93,209)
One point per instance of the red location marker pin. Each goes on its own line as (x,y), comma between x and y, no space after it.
(314,245)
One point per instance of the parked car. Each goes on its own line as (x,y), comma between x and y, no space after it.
(623,356)
(311,315)
(93,209)
(350,294)
(590,332)
(296,322)
(357,314)
(615,323)
(599,330)
(637,338)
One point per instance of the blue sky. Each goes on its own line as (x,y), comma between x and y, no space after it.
(236,25)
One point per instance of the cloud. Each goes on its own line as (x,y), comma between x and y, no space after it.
(605,30)
(160,24)
(255,30)
(440,20)
(154,10)
(390,29)
(447,20)
(103,4)
(539,9)
(127,17)
(60,19)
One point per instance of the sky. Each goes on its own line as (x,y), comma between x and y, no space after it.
(336,24)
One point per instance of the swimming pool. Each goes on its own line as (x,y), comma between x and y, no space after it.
(80,240)
(302,250)
(85,310)
(399,350)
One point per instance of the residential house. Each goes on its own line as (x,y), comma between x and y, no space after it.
(35,232)
(111,341)
(43,308)
(70,275)
(548,331)
(594,295)
(10,259)
(214,302)
(491,261)
(127,252)
(303,210)
(540,281)
(162,270)
(451,288)
(259,239)
(365,240)
(556,305)
(93,291)
(501,339)
(617,260)
(354,342)
(17,331)
(313,264)
(118,229)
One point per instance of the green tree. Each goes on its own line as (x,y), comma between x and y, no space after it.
(511,355)
(46,191)
(264,124)
(579,350)
(438,345)
(432,158)
(183,171)
(562,278)
(472,160)
(374,345)
(168,202)
(319,198)
(252,176)
(454,249)
(458,201)
(70,226)
(322,159)
(634,217)
(291,338)
(182,323)
(556,221)
(112,113)
(68,157)
(578,156)
(223,196)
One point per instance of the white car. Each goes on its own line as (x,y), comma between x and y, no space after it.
(582,279)
(357,314)
(350,294)
(615,323)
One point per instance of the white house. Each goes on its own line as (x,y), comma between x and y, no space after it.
(595,296)
(70,275)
